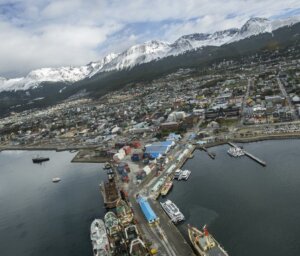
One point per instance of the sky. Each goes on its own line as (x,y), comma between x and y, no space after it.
(54,33)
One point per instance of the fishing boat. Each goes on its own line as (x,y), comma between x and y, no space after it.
(115,236)
(204,243)
(99,239)
(137,248)
(112,223)
(124,213)
(131,233)
(166,188)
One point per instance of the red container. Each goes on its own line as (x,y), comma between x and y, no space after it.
(127,150)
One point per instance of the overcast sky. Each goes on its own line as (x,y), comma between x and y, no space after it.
(53,33)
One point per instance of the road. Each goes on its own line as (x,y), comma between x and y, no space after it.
(284,93)
(250,83)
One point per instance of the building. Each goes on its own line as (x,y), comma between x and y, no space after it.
(147,210)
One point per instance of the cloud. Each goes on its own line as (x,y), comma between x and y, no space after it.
(51,33)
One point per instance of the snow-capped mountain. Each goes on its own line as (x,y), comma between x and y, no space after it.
(143,53)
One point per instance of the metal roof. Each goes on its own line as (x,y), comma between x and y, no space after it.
(147,210)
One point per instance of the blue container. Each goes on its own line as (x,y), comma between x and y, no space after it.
(135,158)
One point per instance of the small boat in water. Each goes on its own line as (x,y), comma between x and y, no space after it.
(124,213)
(172,211)
(38,160)
(204,243)
(99,238)
(55,180)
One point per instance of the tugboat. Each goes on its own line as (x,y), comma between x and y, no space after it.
(124,213)
(204,243)
(172,211)
(99,238)
(38,159)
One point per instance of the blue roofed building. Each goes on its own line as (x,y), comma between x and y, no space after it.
(147,210)
(157,149)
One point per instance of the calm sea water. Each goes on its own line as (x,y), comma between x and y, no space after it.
(250,209)
(38,217)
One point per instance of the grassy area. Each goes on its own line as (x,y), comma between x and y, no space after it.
(228,122)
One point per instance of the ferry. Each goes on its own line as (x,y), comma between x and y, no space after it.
(172,211)
(204,243)
(177,173)
(166,188)
(99,239)
(184,175)
(124,213)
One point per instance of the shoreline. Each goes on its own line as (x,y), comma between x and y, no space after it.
(253,139)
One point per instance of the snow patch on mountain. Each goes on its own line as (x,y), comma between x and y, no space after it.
(143,53)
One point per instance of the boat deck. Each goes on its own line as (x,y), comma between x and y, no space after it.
(215,251)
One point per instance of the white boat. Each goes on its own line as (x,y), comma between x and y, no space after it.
(177,173)
(235,152)
(55,180)
(184,175)
(99,238)
(172,211)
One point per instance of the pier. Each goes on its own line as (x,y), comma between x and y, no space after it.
(256,159)
(210,154)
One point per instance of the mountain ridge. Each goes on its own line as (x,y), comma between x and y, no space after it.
(143,53)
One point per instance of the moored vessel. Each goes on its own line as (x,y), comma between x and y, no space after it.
(99,238)
(184,175)
(115,235)
(172,211)
(166,188)
(204,243)
(138,248)
(112,223)
(124,213)
(177,173)
(235,152)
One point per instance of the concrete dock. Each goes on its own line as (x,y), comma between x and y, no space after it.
(256,159)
